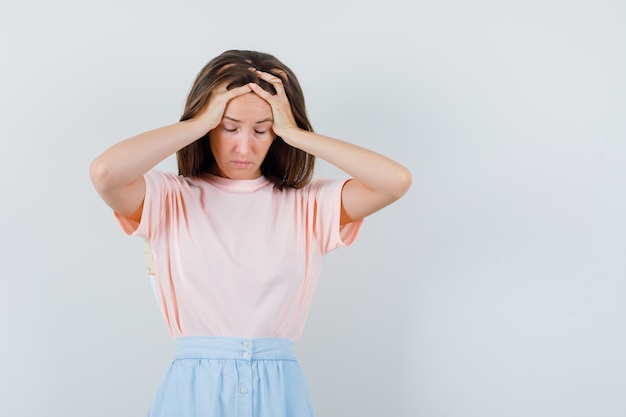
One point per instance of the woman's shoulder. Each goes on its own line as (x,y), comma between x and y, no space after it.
(163,175)
(171,180)
(324,182)
(319,186)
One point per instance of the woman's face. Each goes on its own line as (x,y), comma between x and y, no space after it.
(242,139)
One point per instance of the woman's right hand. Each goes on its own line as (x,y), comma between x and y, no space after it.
(210,116)
(118,172)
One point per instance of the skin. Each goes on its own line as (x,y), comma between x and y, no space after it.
(243,138)
(234,118)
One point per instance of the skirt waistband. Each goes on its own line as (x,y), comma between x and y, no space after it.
(234,348)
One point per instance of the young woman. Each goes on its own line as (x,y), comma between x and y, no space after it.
(238,236)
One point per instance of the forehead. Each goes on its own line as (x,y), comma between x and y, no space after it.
(248,107)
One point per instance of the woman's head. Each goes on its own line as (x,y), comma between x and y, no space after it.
(283,164)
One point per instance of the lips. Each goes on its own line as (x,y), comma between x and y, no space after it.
(242,164)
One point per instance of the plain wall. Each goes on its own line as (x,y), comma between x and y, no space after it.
(495,287)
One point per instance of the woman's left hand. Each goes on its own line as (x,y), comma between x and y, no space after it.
(281,109)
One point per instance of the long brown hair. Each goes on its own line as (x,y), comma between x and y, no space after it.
(283,164)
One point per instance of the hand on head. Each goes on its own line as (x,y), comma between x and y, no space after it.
(281,108)
(213,110)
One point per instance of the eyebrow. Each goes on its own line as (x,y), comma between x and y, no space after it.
(239,121)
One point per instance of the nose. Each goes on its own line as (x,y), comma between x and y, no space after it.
(242,145)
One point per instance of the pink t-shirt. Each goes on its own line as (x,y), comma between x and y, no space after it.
(238,258)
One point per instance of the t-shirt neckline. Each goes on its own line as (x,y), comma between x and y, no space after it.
(237,186)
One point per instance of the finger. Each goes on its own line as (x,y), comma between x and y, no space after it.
(262,93)
(221,95)
(222,88)
(270,78)
(238,91)
(269,75)
(275,81)
(275,72)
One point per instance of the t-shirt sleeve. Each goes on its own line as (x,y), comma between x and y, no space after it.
(160,188)
(328,231)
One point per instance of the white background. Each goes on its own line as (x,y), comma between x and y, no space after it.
(496,287)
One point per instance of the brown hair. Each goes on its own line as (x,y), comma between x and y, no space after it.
(283,164)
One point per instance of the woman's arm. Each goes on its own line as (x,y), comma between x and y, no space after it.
(377,180)
(117,174)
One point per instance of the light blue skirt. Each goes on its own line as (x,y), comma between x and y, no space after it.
(233,377)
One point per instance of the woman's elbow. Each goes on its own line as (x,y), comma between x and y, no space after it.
(100,174)
(402,183)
